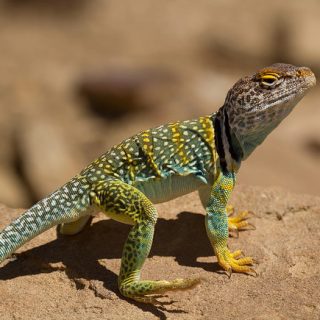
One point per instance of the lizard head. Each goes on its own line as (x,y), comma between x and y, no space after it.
(256,104)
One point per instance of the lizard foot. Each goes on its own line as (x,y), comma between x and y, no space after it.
(239,221)
(231,261)
(160,287)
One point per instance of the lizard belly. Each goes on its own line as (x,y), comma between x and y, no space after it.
(173,186)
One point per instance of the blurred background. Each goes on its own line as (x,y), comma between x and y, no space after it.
(77,76)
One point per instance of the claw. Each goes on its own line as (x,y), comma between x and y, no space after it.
(252,226)
(229,272)
(234,234)
(255,273)
(251,213)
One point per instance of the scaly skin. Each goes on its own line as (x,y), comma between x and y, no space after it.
(163,163)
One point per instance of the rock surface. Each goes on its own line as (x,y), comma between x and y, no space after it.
(76,277)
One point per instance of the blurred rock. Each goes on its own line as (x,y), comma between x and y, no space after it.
(12,191)
(115,93)
(281,39)
(277,46)
(57,6)
(47,157)
(46,44)
(226,55)
(313,146)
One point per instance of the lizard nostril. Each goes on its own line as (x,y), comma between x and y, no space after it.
(309,76)
(304,72)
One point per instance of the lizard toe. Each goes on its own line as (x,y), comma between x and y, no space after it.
(231,262)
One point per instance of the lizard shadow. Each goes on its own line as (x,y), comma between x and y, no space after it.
(183,238)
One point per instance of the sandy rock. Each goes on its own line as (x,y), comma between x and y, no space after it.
(75,277)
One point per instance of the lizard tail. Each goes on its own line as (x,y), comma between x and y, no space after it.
(66,204)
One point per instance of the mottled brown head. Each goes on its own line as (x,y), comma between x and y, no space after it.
(256,104)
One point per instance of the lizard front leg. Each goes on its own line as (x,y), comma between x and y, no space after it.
(127,204)
(217,225)
(236,221)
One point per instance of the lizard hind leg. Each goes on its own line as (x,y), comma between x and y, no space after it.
(125,203)
(134,254)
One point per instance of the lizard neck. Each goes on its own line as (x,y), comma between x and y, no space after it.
(234,148)
(227,145)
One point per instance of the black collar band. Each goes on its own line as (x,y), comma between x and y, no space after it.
(235,156)
(218,142)
(222,127)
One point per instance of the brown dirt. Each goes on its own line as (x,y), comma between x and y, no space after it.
(48,47)
(75,277)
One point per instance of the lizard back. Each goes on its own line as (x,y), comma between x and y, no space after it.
(156,160)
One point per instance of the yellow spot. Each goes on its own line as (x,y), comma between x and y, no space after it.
(145,133)
(148,148)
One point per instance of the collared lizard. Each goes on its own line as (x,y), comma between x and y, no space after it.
(166,162)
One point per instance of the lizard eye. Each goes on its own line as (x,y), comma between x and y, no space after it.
(268,80)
